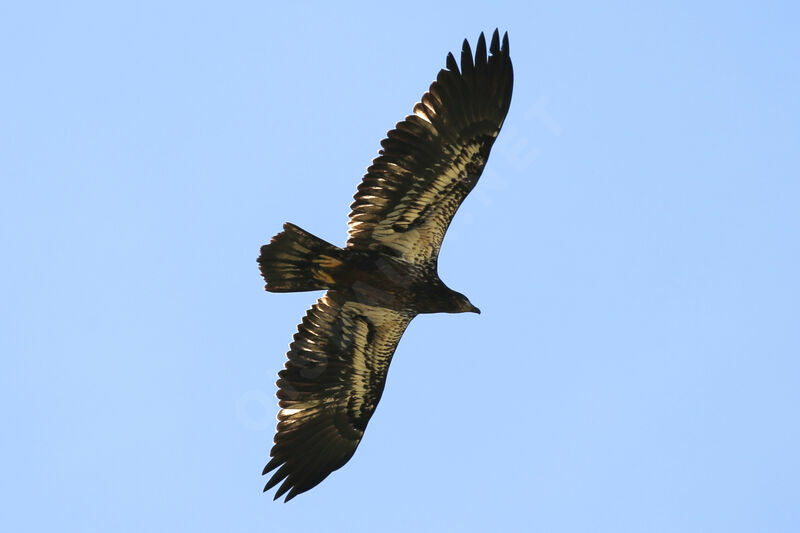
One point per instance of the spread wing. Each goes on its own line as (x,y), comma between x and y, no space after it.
(432,159)
(329,388)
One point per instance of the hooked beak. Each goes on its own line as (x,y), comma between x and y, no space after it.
(474,310)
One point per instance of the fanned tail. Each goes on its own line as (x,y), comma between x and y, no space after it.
(296,261)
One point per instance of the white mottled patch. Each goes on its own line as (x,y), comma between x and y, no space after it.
(370,359)
(422,242)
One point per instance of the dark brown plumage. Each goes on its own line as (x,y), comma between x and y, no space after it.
(386,274)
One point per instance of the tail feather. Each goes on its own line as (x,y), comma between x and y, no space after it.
(296,261)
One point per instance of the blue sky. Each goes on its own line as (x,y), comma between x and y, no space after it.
(633,245)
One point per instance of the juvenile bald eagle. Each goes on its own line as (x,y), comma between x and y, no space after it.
(387,272)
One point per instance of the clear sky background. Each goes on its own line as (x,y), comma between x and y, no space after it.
(633,245)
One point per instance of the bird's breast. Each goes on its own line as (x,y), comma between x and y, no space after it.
(376,279)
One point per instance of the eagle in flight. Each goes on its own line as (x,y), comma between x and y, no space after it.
(387,272)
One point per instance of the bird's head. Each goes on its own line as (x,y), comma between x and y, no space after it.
(458,303)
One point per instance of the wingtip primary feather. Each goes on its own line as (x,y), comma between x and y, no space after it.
(285,486)
(292,493)
(480,52)
(451,63)
(466,58)
(274,480)
(494,47)
(270,466)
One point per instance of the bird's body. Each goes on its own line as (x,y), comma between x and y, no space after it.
(386,274)
(367,276)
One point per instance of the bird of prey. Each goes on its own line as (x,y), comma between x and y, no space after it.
(387,272)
